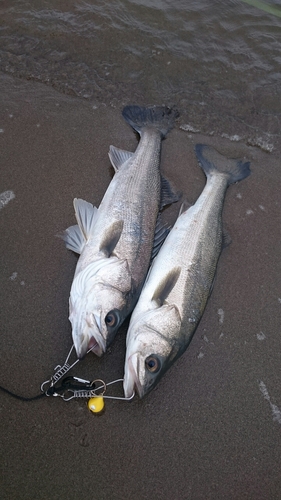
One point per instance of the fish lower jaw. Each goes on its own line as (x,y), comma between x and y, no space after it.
(83,348)
(128,387)
(95,347)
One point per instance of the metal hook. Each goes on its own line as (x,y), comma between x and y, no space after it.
(116,397)
(89,390)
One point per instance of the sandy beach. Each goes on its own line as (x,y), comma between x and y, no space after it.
(211,428)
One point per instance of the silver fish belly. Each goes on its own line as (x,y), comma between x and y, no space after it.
(175,293)
(116,240)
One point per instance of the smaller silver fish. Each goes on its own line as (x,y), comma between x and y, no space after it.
(179,282)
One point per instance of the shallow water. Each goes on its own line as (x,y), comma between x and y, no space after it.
(218,62)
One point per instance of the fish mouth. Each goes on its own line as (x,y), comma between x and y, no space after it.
(131,379)
(88,343)
(95,347)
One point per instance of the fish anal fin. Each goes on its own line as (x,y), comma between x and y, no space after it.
(111,237)
(86,216)
(166,286)
(168,195)
(118,157)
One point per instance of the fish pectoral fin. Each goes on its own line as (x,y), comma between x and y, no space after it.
(111,237)
(168,195)
(161,233)
(166,286)
(86,216)
(74,239)
(118,157)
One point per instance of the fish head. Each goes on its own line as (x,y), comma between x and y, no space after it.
(151,348)
(98,305)
(95,321)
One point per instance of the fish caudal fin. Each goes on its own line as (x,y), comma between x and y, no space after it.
(211,161)
(159,117)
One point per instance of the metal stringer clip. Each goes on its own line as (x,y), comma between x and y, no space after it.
(60,371)
(95,392)
(75,387)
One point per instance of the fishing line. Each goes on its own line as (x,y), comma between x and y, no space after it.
(22,398)
(73,387)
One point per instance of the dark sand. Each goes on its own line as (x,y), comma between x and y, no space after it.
(211,429)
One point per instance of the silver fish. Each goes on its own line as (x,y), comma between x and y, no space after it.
(179,282)
(117,240)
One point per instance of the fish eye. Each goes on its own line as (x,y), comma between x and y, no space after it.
(111,319)
(152,363)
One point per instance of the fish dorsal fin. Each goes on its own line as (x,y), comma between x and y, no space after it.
(111,237)
(86,216)
(74,239)
(161,232)
(166,286)
(168,195)
(118,157)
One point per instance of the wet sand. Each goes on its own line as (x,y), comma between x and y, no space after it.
(211,428)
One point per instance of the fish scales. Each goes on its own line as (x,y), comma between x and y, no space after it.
(133,197)
(139,221)
(116,240)
(180,280)
(195,231)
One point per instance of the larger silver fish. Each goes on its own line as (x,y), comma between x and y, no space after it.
(175,293)
(116,240)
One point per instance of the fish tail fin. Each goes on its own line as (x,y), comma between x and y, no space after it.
(212,161)
(161,118)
